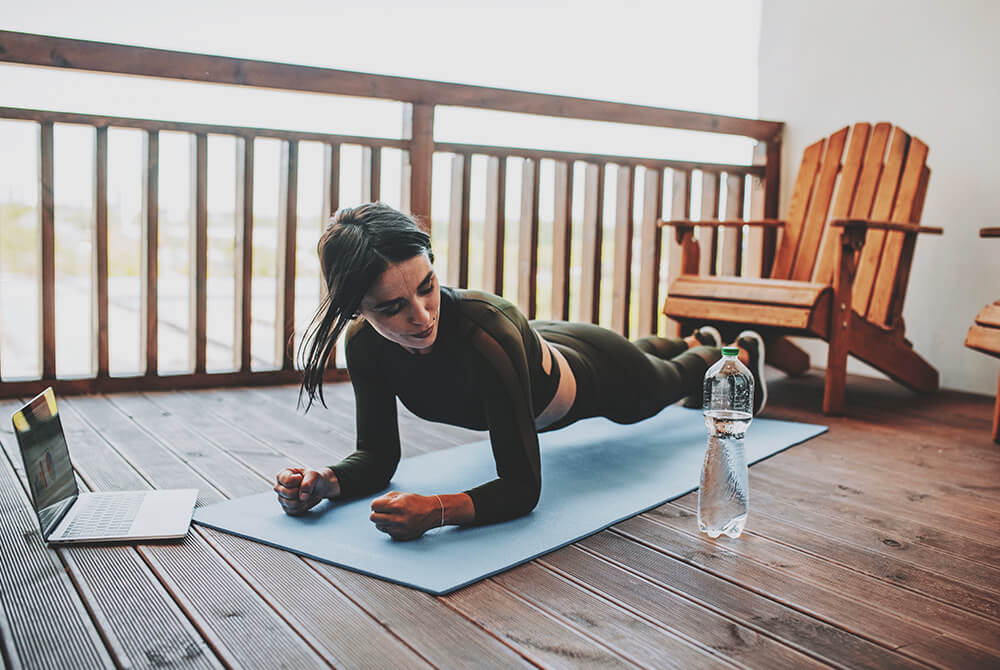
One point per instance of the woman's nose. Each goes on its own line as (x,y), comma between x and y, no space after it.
(422,313)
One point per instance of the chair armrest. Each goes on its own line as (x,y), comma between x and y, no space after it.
(734,223)
(989,232)
(885,225)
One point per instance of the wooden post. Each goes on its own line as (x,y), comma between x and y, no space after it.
(562,239)
(371,174)
(47,313)
(621,297)
(418,127)
(199,256)
(678,243)
(527,255)
(496,220)
(285,314)
(650,252)
(243,261)
(100,278)
(729,248)
(708,236)
(149,319)
(593,232)
(772,179)
(458,222)
(851,241)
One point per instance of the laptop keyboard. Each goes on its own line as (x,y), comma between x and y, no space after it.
(105,516)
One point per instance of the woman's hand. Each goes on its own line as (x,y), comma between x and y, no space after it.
(301,489)
(406,516)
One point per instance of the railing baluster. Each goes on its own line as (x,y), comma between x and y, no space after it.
(458,222)
(288,212)
(331,203)
(621,299)
(707,237)
(562,239)
(149,313)
(679,257)
(752,260)
(650,237)
(371,174)
(527,240)
(48,250)
(496,220)
(100,283)
(199,238)
(593,233)
(242,264)
(729,253)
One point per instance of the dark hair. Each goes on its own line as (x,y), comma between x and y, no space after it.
(357,246)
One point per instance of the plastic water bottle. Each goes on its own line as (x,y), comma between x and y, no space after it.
(724,493)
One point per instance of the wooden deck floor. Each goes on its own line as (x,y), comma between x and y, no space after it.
(875,545)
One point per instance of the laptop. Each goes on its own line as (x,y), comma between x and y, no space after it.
(64,513)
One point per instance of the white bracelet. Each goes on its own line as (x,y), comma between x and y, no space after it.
(442,508)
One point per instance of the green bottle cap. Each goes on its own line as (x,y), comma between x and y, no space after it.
(730,351)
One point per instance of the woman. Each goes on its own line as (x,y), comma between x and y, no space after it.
(469,359)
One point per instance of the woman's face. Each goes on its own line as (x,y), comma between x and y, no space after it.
(402,305)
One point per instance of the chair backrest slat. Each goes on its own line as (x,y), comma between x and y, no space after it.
(850,178)
(819,207)
(797,209)
(885,197)
(894,270)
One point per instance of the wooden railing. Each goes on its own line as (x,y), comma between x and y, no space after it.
(740,186)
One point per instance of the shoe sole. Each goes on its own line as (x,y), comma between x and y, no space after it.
(714,332)
(760,366)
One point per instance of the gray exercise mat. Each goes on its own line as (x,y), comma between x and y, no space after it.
(594,474)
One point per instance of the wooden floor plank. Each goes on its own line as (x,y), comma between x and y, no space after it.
(643,642)
(856,616)
(331,621)
(48,623)
(793,564)
(530,630)
(231,617)
(427,612)
(652,601)
(784,624)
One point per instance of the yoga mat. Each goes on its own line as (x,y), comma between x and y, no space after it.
(595,473)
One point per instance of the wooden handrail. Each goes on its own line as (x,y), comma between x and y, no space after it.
(59,52)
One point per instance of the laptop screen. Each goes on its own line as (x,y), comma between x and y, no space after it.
(46,459)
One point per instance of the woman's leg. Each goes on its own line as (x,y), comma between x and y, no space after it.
(625,381)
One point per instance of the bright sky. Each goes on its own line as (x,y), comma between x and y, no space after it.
(668,53)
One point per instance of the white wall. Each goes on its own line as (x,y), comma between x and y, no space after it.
(932,67)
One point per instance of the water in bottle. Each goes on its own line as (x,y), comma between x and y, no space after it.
(724,494)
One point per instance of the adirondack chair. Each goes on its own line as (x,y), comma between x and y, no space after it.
(984,336)
(839,274)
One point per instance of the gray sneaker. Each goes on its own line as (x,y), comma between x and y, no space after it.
(708,336)
(753,343)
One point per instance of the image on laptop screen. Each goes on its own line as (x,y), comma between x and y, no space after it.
(46,458)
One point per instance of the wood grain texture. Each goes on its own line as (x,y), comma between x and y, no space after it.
(731,244)
(761,291)
(798,207)
(593,236)
(99,354)
(527,239)
(621,279)
(708,236)
(105,57)
(288,218)
(418,128)
(680,208)
(198,278)
(562,239)
(819,207)
(243,255)
(495,224)
(47,246)
(149,271)
(458,222)
(651,253)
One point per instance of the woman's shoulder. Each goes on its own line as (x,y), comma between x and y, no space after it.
(491,313)
(473,301)
(360,340)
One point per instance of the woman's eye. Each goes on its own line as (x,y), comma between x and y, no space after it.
(425,291)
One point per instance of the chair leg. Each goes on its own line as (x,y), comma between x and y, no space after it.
(996,415)
(787,357)
(835,389)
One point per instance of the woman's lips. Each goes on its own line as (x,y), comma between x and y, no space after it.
(423,335)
